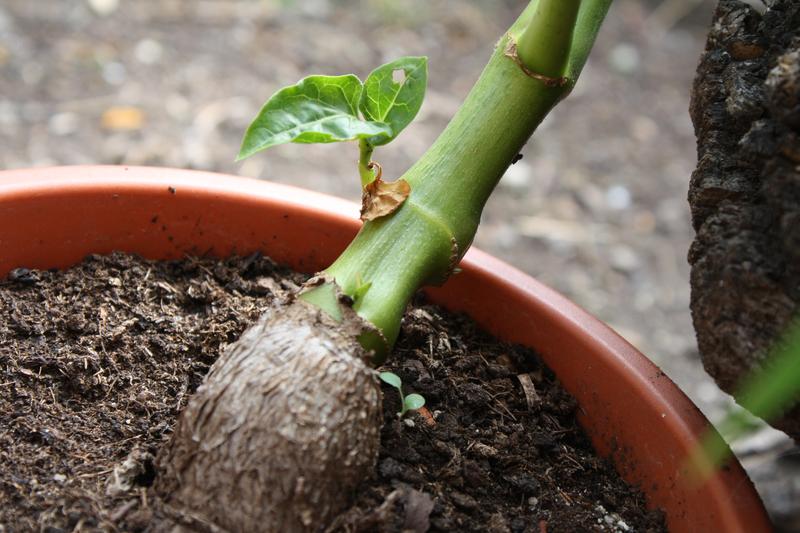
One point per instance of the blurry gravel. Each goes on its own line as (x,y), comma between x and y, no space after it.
(596,208)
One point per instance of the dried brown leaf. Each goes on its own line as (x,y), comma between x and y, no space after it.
(381,198)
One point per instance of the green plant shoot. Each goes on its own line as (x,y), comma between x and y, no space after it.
(412,402)
(327,109)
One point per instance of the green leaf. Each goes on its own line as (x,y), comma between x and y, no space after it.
(318,109)
(412,402)
(394,102)
(391,378)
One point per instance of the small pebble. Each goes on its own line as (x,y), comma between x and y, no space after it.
(517,176)
(618,197)
(103,7)
(624,58)
(114,73)
(148,51)
(63,124)
(624,258)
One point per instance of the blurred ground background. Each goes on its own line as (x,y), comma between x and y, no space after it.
(596,208)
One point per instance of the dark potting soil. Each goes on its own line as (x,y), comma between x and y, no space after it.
(96,363)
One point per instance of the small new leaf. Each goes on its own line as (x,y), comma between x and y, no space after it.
(318,109)
(393,94)
(392,379)
(412,402)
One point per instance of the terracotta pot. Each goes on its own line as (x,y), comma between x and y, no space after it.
(52,218)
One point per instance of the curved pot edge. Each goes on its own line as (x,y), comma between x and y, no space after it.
(684,417)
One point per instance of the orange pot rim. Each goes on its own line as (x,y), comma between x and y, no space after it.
(52,217)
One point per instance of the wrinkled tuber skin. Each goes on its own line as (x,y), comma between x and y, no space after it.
(745,192)
(283,429)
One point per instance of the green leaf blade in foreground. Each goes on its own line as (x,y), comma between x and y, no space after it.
(394,102)
(318,109)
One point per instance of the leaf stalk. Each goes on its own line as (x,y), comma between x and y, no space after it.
(365,158)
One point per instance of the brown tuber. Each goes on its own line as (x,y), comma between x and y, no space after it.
(283,429)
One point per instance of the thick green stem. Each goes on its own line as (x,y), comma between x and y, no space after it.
(545,44)
(364,159)
(422,242)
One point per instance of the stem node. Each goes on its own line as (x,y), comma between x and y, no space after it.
(511,52)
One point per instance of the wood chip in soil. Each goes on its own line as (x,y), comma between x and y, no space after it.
(97,361)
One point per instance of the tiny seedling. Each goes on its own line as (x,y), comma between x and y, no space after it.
(412,402)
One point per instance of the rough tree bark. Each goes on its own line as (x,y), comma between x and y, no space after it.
(283,429)
(745,193)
